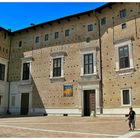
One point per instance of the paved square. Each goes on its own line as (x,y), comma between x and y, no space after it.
(58,126)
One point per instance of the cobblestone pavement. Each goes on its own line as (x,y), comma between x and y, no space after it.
(69,127)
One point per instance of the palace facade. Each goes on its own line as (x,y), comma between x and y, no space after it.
(83,64)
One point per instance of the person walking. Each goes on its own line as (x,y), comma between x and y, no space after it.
(131,118)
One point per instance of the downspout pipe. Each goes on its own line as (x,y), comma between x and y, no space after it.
(101,71)
(8,73)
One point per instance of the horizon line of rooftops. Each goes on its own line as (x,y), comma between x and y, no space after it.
(93,11)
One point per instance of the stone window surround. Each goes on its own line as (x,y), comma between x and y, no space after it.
(121,44)
(58,34)
(5,62)
(105,21)
(26,60)
(82,53)
(62,66)
(88,27)
(46,34)
(37,43)
(68,33)
(130,97)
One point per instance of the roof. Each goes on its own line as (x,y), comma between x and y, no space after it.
(1,28)
(58,20)
(67,17)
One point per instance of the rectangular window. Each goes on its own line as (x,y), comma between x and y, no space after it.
(37,39)
(56,35)
(67,33)
(13,101)
(103,21)
(90,27)
(56,67)
(126,97)
(46,37)
(20,44)
(26,71)
(124,57)
(122,13)
(2,72)
(88,63)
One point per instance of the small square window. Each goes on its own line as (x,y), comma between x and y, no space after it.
(123,25)
(46,37)
(90,27)
(103,21)
(67,33)
(20,44)
(122,13)
(56,35)
(37,39)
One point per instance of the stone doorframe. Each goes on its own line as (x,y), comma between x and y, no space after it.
(97,97)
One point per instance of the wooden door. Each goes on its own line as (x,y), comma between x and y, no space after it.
(24,103)
(89,102)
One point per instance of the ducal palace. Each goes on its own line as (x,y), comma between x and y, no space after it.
(82,64)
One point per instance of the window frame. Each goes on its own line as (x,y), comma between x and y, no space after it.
(102,24)
(122,14)
(47,37)
(67,34)
(62,66)
(26,60)
(4,62)
(82,53)
(56,35)
(36,39)
(130,49)
(89,27)
(88,64)
(3,73)
(130,97)
(57,67)
(123,47)
(24,74)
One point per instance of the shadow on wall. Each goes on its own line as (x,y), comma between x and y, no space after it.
(38,107)
(30,104)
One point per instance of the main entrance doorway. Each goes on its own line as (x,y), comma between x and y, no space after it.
(89,102)
(24,104)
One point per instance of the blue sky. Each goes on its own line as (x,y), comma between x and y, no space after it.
(16,15)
